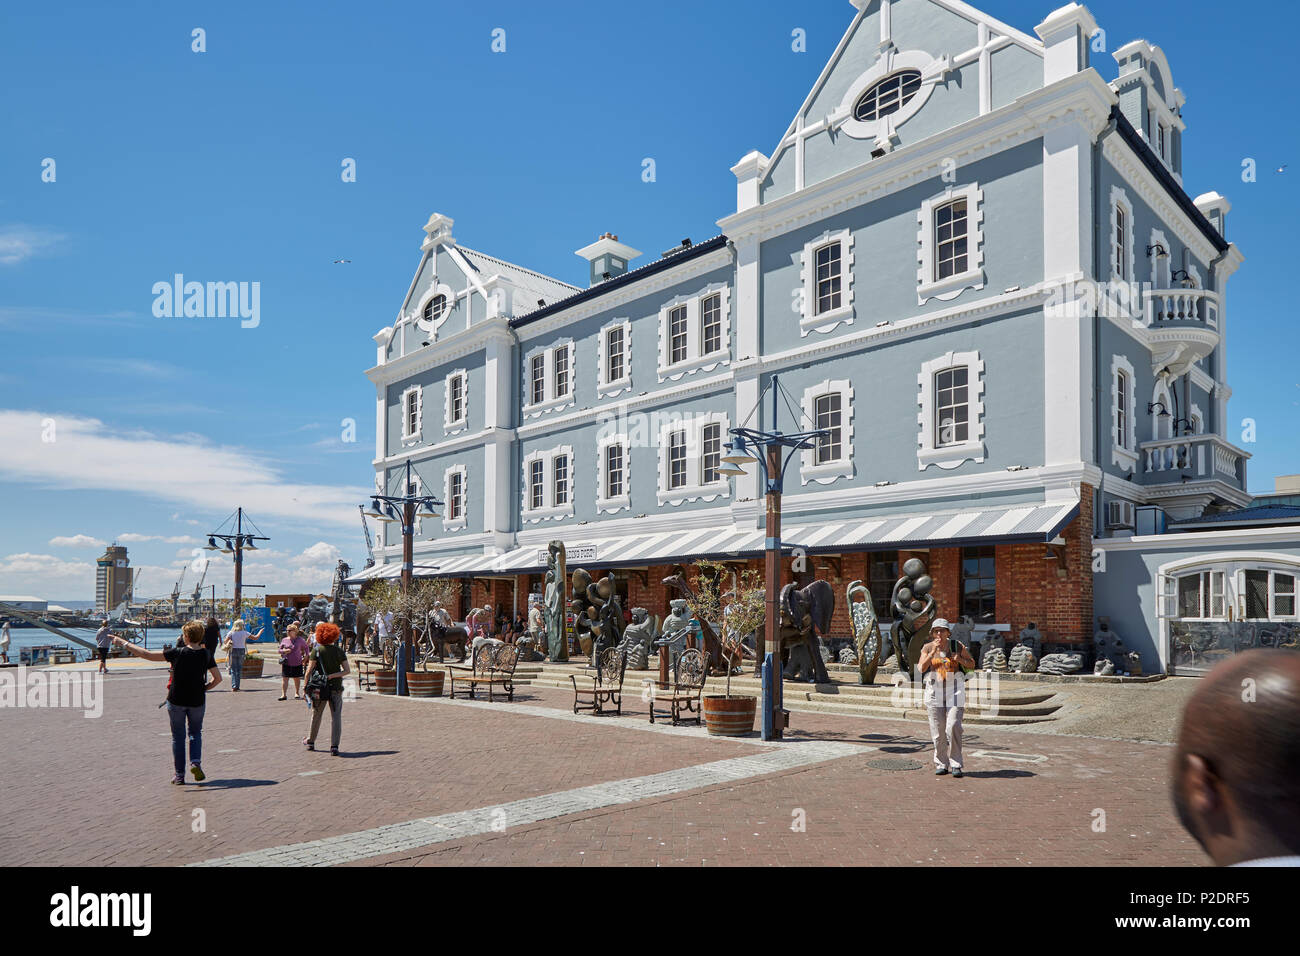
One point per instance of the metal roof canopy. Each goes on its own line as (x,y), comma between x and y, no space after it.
(1004,525)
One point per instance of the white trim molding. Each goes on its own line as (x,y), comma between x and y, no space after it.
(951,456)
(1126,455)
(1119,199)
(695,489)
(608,388)
(431,327)
(409,435)
(928,286)
(828,472)
(449,523)
(549,511)
(613,504)
(551,401)
(697,360)
(810,320)
(452,426)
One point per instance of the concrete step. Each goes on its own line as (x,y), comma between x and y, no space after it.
(841,698)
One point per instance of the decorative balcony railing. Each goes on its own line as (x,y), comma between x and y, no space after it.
(1183,305)
(1193,458)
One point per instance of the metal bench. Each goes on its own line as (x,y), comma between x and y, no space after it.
(366,667)
(606,684)
(493,665)
(689,675)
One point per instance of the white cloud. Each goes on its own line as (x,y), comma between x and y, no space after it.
(47,576)
(19,242)
(319,553)
(78,541)
(189,471)
(131,537)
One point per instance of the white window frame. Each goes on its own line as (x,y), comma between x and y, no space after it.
(606,503)
(927,286)
(1119,200)
(448,522)
(551,401)
(1124,456)
(454,426)
(810,320)
(950,456)
(548,511)
(696,360)
(1203,586)
(694,489)
(435,289)
(409,435)
(843,467)
(606,387)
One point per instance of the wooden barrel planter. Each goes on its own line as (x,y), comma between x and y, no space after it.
(729,716)
(252,667)
(386,682)
(423,683)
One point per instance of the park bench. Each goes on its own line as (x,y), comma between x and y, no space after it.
(685,691)
(492,665)
(606,684)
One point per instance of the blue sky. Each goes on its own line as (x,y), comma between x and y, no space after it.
(225,166)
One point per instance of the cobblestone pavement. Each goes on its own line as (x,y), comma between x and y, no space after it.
(451,782)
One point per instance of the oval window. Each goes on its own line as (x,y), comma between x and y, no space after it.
(434,308)
(888,96)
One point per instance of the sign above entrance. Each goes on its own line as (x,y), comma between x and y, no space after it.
(582,552)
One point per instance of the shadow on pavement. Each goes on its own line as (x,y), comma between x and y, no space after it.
(352,755)
(998,774)
(237,784)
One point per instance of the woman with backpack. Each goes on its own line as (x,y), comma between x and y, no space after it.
(325,672)
(293,649)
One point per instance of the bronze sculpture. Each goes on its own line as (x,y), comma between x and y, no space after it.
(914,610)
(866,631)
(806,615)
(554,605)
(597,613)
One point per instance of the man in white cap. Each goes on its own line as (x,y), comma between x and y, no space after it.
(942,664)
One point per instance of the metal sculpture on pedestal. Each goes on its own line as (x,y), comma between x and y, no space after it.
(805,616)
(554,606)
(712,644)
(914,610)
(866,631)
(597,613)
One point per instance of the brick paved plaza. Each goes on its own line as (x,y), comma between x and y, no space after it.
(430,782)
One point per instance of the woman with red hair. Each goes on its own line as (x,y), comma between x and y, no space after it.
(333,662)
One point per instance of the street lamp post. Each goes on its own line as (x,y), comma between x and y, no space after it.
(236,544)
(405,508)
(766,449)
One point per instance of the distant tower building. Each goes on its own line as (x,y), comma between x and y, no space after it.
(112,579)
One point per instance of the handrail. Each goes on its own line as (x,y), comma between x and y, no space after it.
(32,619)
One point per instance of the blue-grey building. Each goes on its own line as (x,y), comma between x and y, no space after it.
(969,258)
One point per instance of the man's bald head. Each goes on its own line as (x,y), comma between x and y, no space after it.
(1236,771)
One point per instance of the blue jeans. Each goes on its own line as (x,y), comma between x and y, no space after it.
(236,665)
(179,716)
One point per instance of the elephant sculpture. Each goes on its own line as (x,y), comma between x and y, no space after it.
(805,616)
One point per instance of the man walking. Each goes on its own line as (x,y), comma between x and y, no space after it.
(942,664)
(103,641)
(1235,760)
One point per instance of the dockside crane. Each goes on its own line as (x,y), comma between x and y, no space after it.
(370,551)
(196,601)
(176,593)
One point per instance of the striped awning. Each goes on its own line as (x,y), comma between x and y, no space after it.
(1030,522)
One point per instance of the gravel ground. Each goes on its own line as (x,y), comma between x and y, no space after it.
(1146,712)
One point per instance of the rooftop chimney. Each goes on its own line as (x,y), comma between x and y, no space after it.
(607,257)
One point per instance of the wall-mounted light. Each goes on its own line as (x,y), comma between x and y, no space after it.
(1182,276)
(1160,251)
(1164,412)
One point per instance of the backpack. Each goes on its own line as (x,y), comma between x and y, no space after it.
(317,688)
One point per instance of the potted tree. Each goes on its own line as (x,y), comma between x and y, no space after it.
(741,610)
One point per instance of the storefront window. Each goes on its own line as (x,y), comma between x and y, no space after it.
(884,575)
(979,584)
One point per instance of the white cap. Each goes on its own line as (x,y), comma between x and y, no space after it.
(941,623)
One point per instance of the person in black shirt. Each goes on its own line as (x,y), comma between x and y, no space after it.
(193,675)
(212,638)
